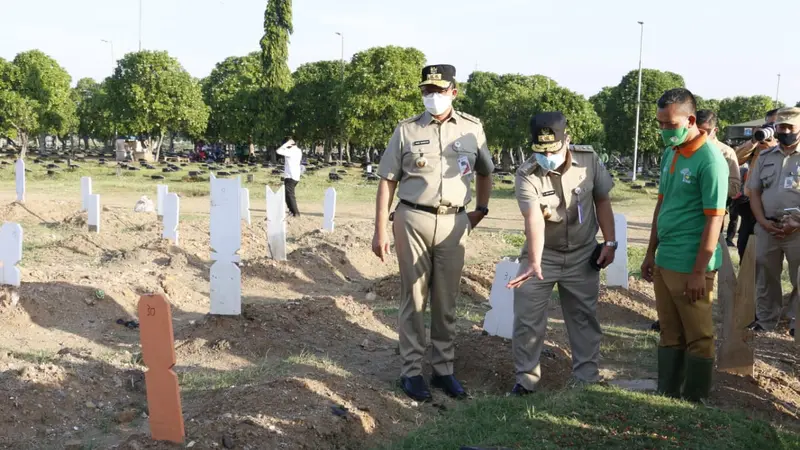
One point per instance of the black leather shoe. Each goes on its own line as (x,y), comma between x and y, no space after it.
(416,388)
(730,243)
(756,327)
(656,326)
(519,391)
(791,332)
(449,385)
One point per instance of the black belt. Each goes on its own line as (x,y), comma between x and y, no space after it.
(441,210)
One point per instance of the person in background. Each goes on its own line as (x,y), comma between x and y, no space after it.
(684,253)
(774,188)
(292,159)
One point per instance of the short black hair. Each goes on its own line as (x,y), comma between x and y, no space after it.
(679,96)
(771,112)
(707,116)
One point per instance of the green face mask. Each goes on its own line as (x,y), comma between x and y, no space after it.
(674,137)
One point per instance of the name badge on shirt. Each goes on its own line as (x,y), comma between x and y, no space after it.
(421,142)
(548,193)
(463,166)
(788,183)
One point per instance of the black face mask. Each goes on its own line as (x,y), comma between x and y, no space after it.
(786,139)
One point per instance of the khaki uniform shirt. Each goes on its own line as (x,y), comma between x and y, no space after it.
(569,198)
(735,177)
(777,177)
(435,162)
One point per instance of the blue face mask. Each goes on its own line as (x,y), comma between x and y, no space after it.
(550,161)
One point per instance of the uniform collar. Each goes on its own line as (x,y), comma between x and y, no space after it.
(427,118)
(687,149)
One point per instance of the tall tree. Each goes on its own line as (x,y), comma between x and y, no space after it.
(151,94)
(744,109)
(275,44)
(94,115)
(315,101)
(381,90)
(231,91)
(620,114)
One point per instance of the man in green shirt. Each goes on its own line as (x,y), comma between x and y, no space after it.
(684,252)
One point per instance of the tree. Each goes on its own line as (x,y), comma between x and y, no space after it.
(35,98)
(231,91)
(619,119)
(381,90)
(94,115)
(275,44)
(744,109)
(315,104)
(600,101)
(151,94)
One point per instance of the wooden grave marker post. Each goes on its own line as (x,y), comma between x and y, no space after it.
(172,208)
(499,320)
(276,223)
(86,191)
(226,240)
(20,179)
(737,294)
(158,352)
(329,210)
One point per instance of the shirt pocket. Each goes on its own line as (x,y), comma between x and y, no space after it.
(421,160)
(550,205)
(767,176)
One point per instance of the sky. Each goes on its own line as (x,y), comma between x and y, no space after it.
(582,44)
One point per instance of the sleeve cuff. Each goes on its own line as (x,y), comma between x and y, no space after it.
(714,212)
(661,196)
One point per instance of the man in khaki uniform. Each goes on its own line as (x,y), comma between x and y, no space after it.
(431,160)
(774,185)
(563,194)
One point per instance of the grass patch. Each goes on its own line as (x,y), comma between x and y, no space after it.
(623,347)
(318,362)
(595,417)
(202,380)
(36,357)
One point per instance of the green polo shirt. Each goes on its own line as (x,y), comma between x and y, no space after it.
(694,185)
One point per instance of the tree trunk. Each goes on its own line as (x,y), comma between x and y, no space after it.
(520,156)
(158,146)
(347,152)
(23,143)
(328,151)
(42,143)
(172,142)
(86,143)
(506,160)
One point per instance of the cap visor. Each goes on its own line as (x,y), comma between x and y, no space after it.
(548,148)
(440,83)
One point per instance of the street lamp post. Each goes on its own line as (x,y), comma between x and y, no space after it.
(638,105)
(111,43)
(140,25)
(778,90)
(341,144)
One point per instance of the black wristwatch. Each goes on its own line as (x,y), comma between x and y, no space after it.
(612,244)
(482,209)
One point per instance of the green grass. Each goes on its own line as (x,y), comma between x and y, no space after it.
(592,418)
(629,350)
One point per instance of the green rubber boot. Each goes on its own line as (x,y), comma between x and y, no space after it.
(671,371)
(699,373)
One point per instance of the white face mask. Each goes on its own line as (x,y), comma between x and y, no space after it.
(437,104)
(550,161)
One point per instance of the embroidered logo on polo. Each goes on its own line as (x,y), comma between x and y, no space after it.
(686,176)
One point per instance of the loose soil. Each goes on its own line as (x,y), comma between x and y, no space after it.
(312,361)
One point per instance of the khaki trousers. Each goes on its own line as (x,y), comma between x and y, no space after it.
(684,325)
(578,289)
(430,251)
(769,267)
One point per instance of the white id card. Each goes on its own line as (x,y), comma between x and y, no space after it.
(788,183)
(463,166)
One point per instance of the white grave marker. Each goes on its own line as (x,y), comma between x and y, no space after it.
(20,173)
(617,274)
(329,210)
(10,253)
(499,320)
(172,208)
(93,207)
(86,191)
(276,223)
(163,191)
(244,199)
(369,168)
(226,240)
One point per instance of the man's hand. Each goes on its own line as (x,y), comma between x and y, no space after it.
(475,218)
(380,244)
(774,229)
(648,265)
(791,222)
(696,286)
(606,256)
(533,270)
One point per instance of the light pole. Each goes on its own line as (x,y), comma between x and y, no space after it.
(341,144)
(111,43)
(638,105)
(140,25)
(778,90)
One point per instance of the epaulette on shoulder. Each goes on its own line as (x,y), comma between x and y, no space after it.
(469,117)
(528,166)
(411,119)
(583,148)
(769,150)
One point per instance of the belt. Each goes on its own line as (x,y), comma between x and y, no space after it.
(441,210)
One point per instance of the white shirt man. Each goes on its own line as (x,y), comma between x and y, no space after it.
(292,157)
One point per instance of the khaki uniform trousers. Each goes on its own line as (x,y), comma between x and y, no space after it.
(578,289)
(769,267)
(684,325)
(430,251)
